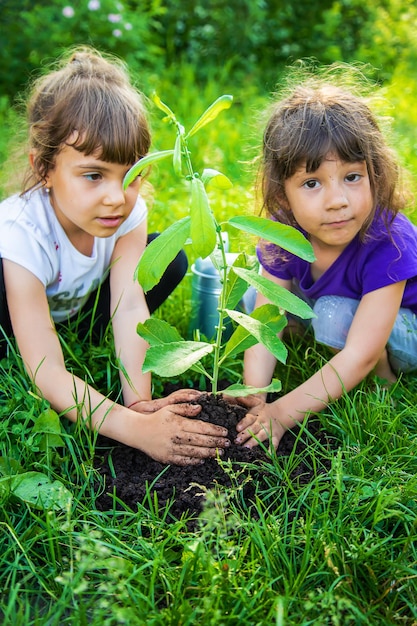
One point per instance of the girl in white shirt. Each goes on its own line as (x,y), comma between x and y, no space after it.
(75,230)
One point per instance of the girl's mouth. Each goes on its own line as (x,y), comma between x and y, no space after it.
(339,224)
(111,222)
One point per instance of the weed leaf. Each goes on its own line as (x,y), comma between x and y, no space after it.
(36,489)
(48,423)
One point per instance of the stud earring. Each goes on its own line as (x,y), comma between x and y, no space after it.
(47,190)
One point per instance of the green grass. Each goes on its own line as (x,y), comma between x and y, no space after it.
(341,550)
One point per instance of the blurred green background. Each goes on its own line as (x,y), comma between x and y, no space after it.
(191,52)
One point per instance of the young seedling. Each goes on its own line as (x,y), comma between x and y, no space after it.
(169,354)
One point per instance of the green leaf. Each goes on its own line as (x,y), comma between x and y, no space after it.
(178,156)
(163,107)
(237,286)
(216,179)
(157,332)
(203,226)
(284,236)
(239,390)
(242,339)
(37,489)
(276,294)
(159,253)
(210,114)
(48,423)
(10,466)
(262,333)
(174,358)
(138,167)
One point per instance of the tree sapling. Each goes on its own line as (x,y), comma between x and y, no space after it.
(168,353)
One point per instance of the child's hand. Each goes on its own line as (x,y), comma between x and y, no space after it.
(258,424)
(169,437)
(151,406)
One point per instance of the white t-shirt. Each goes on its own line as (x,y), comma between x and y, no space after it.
(31,236)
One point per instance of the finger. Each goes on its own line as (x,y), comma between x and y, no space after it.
(196,452)
(249,401)
(253,439)
(253,433)
(200,441)
(184,395)
(185,410)
(246,422)
(184,461)
(203,428)
(230,399)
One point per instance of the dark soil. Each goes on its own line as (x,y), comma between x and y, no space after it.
(133,477)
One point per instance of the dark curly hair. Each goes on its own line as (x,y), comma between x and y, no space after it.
(318,117)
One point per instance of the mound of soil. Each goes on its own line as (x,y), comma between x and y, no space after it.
(133,477)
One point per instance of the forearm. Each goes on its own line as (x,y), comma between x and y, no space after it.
(131,350)
(70,395)
(342,373)
(259,366)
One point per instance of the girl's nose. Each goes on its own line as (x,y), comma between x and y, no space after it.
(114,195)
(336,197)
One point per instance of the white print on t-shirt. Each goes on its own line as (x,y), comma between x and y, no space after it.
(64,301)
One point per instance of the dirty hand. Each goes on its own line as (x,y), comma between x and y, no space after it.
(151,406)
(175,439)
(258,424)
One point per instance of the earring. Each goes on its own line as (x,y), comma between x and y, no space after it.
(47,189)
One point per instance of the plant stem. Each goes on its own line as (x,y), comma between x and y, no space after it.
(222,306)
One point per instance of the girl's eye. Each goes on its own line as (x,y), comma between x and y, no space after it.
(352,178)
(93,176)
(311,184)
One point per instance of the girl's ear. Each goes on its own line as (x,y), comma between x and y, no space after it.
(32,157)
(283,202)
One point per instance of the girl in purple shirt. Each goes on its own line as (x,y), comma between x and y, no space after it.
(328,171)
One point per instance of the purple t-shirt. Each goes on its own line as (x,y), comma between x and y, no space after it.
(363,266)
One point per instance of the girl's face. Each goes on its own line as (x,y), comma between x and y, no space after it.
(332,203)
(87,196)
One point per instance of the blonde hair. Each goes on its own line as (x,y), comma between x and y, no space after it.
(88,102)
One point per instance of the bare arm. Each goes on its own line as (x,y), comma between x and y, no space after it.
(164,435)
(128,307)
(365,343)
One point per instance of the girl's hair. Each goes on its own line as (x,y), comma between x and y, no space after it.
(318,118)
(89,104)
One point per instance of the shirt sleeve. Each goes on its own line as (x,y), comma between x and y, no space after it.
(391,260)
(25,245)
(276,261)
